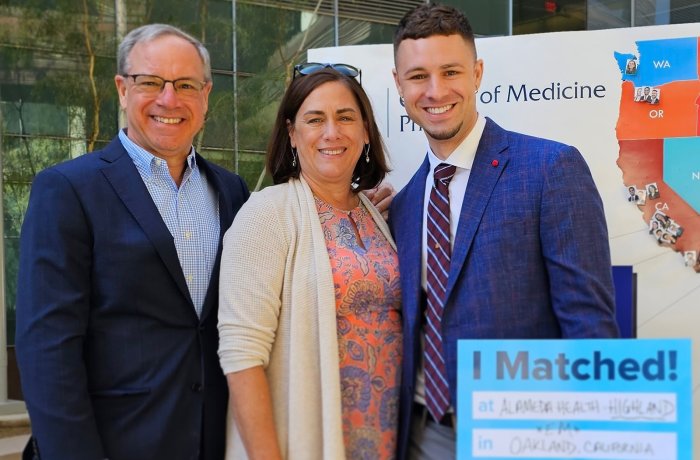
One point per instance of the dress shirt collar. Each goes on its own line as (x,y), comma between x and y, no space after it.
(463,155)
(146,162)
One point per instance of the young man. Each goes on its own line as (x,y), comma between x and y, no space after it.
(654,98)
(475,262)
(119,275)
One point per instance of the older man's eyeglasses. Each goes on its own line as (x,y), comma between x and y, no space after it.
(153,84)
(312,67)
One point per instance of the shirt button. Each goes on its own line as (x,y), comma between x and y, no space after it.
(190,278)
(188,235)
(196,387)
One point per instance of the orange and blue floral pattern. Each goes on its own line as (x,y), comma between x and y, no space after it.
(367,292)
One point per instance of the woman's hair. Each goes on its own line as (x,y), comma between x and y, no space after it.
(279,149)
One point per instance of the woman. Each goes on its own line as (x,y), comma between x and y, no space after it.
(652,191)
(309,301)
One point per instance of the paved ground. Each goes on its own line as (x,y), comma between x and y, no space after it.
(8,432)
(14,432)
(14,425)
(11,447)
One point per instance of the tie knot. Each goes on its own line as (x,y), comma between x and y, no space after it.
(444,173)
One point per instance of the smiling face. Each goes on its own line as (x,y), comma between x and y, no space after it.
(329,135)
(438,77)
(164,123)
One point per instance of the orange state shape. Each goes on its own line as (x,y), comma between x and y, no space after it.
(679,117)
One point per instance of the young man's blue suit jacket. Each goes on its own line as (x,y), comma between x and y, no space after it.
(530,258)
(113,359)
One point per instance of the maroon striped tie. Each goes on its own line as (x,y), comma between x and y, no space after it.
(437,391)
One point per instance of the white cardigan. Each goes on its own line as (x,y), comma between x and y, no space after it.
(277,309)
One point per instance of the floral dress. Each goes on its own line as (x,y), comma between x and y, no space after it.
(367,293)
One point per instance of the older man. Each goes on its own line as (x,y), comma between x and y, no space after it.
(118,281)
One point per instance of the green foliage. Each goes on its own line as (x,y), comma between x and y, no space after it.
(54,107)
(49,111)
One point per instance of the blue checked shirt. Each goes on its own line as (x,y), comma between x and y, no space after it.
(190,212)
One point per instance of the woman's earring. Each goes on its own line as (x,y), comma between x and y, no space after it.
(367,152)
(294,157)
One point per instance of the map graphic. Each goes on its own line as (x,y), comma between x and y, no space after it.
(658,132)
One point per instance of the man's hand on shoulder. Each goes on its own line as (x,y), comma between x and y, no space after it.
(381,197)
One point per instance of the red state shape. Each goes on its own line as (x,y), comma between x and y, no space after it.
(641,162)
(697,104)
(641,120)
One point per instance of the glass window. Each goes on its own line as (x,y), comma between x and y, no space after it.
(487,17)
(608,14)
(537,16)
(57,100)
(682,11)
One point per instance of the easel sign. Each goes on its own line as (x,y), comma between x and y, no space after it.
(624,399)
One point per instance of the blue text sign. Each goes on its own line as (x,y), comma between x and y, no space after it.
(584,399)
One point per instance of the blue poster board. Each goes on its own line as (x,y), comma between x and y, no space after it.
(625,300)
(584,399)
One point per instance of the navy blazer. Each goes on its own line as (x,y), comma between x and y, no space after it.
(114,361)
(531,257)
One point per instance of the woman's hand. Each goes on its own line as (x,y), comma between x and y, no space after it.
(252,411)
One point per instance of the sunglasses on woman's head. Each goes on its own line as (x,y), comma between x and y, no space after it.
(312,67)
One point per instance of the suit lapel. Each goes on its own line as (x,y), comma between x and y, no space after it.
(409,232)
(122,174)
(225,219)
(490,161)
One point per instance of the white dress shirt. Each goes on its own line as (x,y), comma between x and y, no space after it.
(463,158)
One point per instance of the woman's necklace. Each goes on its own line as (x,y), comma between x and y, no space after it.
(355,203)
